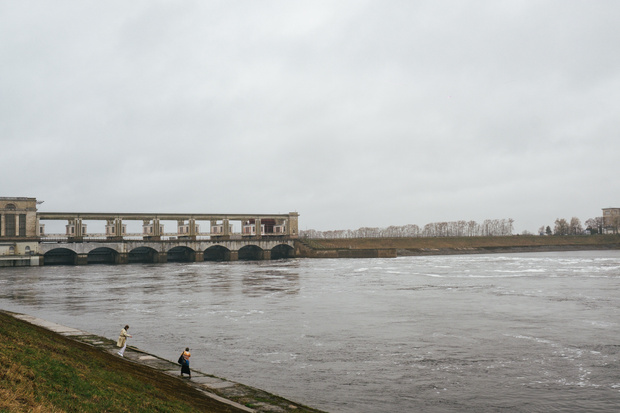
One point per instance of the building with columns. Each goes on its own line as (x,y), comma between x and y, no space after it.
(18,218)
(23,237)
(18,231)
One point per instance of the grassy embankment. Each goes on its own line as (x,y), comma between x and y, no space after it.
(460,245)
(41,371)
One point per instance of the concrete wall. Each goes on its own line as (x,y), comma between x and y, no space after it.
(302,249)
(17,254)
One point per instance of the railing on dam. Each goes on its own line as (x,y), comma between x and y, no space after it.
(91,237)
(220,226)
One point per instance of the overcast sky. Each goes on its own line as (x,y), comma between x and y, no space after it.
(353,113)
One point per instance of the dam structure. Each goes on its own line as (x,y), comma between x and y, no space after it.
(199,237)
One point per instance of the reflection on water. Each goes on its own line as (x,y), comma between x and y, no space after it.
(520,332)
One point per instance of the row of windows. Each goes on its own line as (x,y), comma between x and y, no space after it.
(26,250)
(13,228)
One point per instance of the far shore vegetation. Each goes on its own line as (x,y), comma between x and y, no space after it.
(607,241)
(463,228)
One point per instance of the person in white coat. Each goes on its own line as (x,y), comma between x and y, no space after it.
(122,341)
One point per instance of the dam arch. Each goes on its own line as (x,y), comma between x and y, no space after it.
(181,254)
(217,253)
(145,255)
(102,255)
(250,253)
(60,256)
(153,251)
(282,251)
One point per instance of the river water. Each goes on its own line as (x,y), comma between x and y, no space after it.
(536,332)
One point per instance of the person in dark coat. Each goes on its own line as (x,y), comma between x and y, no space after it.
(185,363)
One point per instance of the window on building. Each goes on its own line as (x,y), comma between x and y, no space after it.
(22,225)
(9,225)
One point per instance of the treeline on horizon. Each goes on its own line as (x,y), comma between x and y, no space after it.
(574,227)
(490,227)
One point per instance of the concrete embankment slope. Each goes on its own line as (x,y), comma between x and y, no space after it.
(229,396)
(392,247)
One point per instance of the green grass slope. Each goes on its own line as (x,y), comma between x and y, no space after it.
(41,371)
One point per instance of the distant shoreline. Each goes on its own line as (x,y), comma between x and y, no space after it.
(419,246)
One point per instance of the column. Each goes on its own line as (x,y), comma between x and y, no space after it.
(192,228)
(151,229)
(118,224)
(2,225)
(259,233)
(234,256)
(226,229)
(199,256)
(78,228)
(266,255)
(156,228)
(292,225)
(114,229)
(77,235)
(180,224)
(146,226)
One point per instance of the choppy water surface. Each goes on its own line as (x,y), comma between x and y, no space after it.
(479,333)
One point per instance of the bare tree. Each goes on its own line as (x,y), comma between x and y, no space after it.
(575,226)
(490,227)
(594,225)
(561,227)
(600,223)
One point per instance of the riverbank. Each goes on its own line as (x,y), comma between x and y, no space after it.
(393,247)
(49,367)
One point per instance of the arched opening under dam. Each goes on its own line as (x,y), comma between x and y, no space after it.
(59,256)
(102,255)
(217,253)
(282,251)
(250,253)
(142,255)
(181,254)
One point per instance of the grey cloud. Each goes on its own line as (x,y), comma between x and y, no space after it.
(355,114)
